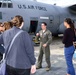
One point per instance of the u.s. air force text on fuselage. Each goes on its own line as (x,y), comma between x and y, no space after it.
(32,7)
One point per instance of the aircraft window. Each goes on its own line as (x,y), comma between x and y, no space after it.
(51,20)
(0,4)
(4,5)
(0,15)
(10,5)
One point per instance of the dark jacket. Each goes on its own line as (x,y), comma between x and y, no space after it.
(21,55)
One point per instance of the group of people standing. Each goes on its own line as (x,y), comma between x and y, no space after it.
(21,59)
(68,41)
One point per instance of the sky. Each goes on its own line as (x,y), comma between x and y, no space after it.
(59,2)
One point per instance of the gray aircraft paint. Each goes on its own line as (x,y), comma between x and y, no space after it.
(35,11)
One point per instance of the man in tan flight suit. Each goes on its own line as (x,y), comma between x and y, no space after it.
(45,40)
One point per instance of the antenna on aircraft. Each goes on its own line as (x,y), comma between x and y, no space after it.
(54,3)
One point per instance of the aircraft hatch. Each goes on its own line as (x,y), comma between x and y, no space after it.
(33,26)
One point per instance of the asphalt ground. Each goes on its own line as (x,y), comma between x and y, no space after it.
(58,63)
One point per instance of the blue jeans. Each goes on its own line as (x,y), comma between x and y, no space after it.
(69,51)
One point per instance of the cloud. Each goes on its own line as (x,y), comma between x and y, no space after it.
(59,2)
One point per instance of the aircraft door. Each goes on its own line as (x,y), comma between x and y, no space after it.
(51,21)
(54,23)
(33,26)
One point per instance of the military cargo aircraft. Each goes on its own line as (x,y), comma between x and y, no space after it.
(34,13)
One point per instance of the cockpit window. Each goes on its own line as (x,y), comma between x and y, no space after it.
(6,4)
(0,4)
(10,5)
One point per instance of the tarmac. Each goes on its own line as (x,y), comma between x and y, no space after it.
(58,63)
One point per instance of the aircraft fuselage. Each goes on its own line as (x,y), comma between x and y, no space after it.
(34,13)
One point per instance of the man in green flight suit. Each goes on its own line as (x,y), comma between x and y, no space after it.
(45,40)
